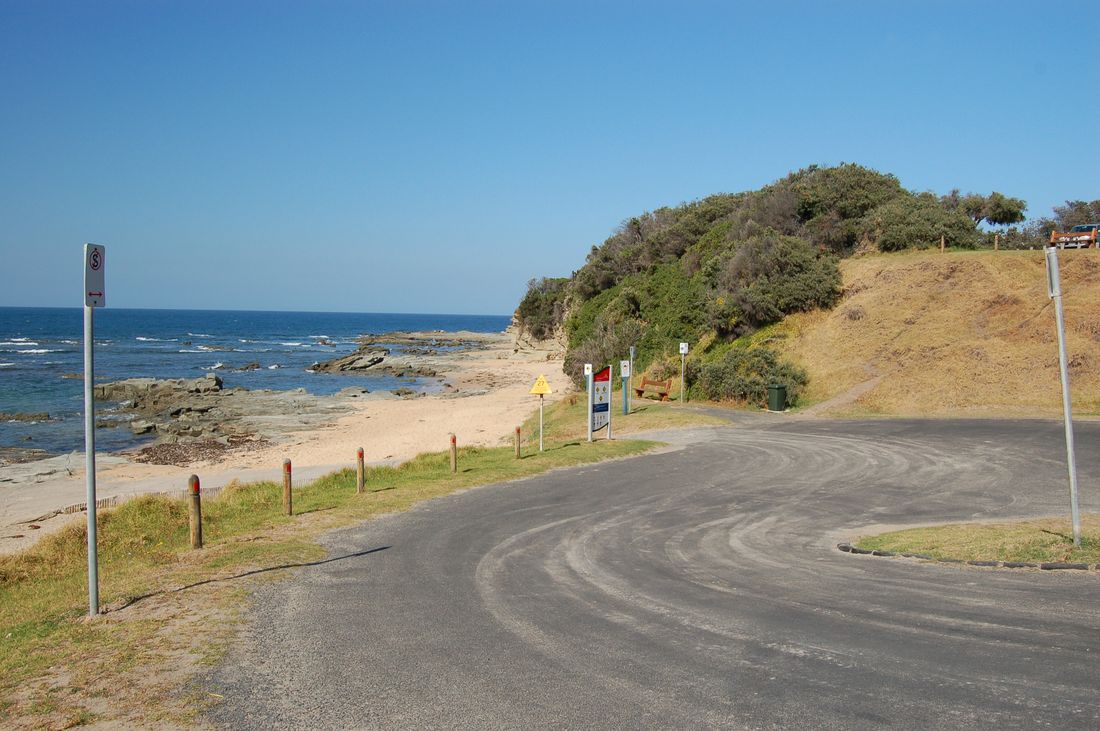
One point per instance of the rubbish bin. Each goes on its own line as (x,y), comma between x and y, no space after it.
(777,397)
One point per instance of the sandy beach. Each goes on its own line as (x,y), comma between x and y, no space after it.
(486,396)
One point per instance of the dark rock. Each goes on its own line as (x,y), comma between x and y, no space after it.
(250,367)
(1019,565)
(359,361)
(18,416)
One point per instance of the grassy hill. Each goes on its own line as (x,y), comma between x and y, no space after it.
(953,334)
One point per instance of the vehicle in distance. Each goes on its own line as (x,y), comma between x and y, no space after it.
(1078,237)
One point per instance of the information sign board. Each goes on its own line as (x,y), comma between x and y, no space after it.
(601,398)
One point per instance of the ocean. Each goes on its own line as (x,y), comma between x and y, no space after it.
(39,346)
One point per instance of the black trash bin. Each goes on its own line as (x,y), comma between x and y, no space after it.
(777,397)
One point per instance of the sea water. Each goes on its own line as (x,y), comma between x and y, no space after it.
(40,346)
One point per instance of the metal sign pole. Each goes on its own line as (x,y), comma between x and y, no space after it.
(89,461)
(541,400)
(683,359)
(610,393)
(1054,285)
(588,378)
(94,296)
(633,352)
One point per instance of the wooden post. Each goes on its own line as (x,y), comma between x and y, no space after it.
(288,503)
(360,476)
(517,442)
(195,511)
(996,242)
(941,243)
(454,453)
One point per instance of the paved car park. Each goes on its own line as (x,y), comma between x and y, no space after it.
(695,587)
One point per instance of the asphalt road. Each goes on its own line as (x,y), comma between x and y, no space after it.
(699,587)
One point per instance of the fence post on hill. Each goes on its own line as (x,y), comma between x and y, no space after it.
(996,242)
(454,454)
(360,476)
(195,510)
(942,242)
(517,442)
(288,501)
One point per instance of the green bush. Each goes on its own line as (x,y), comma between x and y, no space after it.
(918,221)
(771,276)
(542,309)
(743,375)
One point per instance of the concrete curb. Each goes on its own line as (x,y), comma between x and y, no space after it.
(1049,566)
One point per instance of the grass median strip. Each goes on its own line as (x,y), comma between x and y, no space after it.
(1029,541)
(57,670)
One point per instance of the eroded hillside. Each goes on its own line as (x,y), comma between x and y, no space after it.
(951,334)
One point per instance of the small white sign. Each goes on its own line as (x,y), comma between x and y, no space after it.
(588,369)
(683,348)
(95,262)
(624,368)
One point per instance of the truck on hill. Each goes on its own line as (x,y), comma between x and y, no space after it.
(1078,237)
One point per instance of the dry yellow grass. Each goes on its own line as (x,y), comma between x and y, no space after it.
(953,334)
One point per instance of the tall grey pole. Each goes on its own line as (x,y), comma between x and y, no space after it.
(89,462)
(589,379)
(541,399)
(633,352)
(1055,290)
(683,358)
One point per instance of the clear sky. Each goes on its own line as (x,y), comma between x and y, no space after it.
(433,156)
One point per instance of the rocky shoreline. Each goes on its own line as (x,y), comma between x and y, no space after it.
(198,419)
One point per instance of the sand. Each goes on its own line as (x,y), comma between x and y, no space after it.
(490,398)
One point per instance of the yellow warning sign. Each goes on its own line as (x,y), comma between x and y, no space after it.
(541,387)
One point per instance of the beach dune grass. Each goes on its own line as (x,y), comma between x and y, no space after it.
(144,551)
(1033,541)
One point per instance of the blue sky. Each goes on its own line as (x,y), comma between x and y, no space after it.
(434,156)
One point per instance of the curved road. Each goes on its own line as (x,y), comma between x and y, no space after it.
(697,587)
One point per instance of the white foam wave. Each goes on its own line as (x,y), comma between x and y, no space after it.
(22,340)
(186,350)
(6,365)
(38,351)
(69,342)
(18,342)
(273,367)
(155,340)
(319,337)
(295,345)
(217,366)
(200,335)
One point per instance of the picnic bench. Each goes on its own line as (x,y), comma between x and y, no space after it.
(661,387)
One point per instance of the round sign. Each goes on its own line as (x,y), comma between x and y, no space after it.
(95,260)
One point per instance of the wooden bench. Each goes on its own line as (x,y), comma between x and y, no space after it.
(661,387)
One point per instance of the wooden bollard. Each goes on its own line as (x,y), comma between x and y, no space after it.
(517,442)
(194,497)
(360,471)
(942,243)
(288,503)
(454,454)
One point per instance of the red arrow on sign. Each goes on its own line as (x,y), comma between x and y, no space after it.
(95,294)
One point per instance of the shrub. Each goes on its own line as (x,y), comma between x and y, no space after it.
(771,276)
(542,309)
(918,221)
(744,374)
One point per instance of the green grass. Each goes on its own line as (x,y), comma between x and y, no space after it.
(1043,540)
(566,419)
(144,552)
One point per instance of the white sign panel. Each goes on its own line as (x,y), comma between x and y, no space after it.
(95,262)
(683,348)
(624,368)
(588,369)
